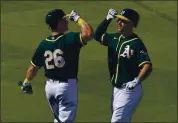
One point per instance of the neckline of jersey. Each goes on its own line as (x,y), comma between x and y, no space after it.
(55,37)
(128,38)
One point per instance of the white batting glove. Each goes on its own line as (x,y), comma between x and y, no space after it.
(111,14)
(132,84)
(74,16)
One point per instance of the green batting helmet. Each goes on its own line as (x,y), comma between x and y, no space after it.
(52,18)
(129,15)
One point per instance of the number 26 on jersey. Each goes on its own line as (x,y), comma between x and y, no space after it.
(56,57)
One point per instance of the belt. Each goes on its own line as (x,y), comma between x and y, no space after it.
(59,81)
(56,81)
(120,86)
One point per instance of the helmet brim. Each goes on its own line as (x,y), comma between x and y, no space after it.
(122,17)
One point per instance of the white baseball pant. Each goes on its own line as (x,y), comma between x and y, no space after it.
(62,98)
(124,102)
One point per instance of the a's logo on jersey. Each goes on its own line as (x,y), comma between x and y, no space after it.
(143,52)
(115,38)
(128,52)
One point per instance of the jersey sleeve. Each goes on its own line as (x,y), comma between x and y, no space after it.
(37,58)
(74,38)
(142,54)
(106,39)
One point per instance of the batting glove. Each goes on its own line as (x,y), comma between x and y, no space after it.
(26,87)
(111,14)
(74,16)
(132,84)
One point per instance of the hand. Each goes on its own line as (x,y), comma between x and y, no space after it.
(26,87)
(74,16)
(111,14)
(132,84)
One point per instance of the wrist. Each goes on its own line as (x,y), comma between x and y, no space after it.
(80,21)
(138,80)
(108,18)
(26,80)
(107,21)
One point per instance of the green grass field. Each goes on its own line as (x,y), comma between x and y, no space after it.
(23,27)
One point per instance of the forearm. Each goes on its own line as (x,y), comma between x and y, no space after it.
(101,29)
(86,30)
(31,73)
(145,72)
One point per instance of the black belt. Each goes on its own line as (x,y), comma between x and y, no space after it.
(59,80)
(119,86)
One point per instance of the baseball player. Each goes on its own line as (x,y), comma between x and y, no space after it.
(59,55)
(128,62)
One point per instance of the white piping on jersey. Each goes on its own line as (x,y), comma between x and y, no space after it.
(34,64)
(119,56)
(116,51)
(82,42)
(143,63)
(54,39)
(102,38)
(118,42)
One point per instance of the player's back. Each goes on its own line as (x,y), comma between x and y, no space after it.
(59,55)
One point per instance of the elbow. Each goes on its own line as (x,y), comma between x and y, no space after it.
(97,36)
(87,36)
(90,35)
(31,72)
(150,69)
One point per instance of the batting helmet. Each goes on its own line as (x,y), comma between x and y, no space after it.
(129,15)
(53,17)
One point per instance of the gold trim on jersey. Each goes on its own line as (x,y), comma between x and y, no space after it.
(144,63)
(118,42)
(54,39)
(119,56)
(34,64)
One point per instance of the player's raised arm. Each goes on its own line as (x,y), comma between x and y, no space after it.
(86,32)
(101,29)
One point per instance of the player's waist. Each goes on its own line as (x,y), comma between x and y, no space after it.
(61,80)
(119,86)
(121,83)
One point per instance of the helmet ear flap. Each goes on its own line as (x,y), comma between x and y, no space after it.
(136,23)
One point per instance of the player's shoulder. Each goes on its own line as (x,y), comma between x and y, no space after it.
(138,41)
(42,43)
(117,35)
(71,34)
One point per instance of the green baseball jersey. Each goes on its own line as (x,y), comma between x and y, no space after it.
(125,57)
(59,55)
